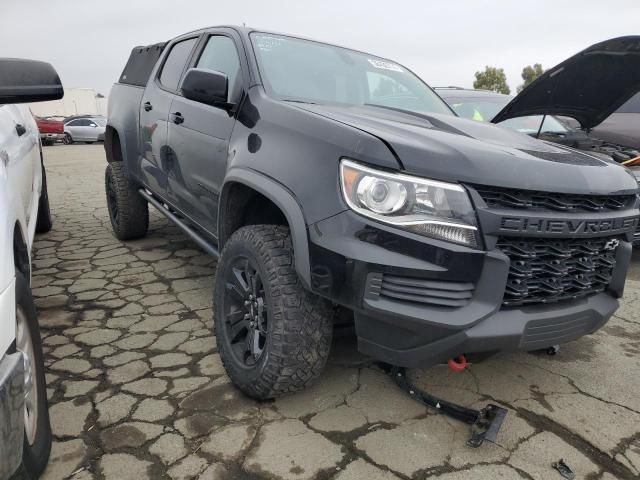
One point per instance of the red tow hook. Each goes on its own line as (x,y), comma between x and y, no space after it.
(457,364)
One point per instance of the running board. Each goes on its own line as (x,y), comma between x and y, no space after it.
(192,234)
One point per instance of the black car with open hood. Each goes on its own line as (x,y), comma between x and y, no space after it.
(589,86)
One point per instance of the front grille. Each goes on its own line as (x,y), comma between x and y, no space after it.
(496,197)
(636,236)
(551,270)
(420,291)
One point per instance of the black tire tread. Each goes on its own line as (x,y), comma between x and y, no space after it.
(133,210)
(301,340)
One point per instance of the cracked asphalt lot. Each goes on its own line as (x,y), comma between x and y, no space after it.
(137,389)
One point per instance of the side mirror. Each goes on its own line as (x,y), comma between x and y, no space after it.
(24,81)
(206,86)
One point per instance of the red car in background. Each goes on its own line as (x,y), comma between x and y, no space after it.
(51,130)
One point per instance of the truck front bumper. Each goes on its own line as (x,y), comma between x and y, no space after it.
(352,258)
(11,413)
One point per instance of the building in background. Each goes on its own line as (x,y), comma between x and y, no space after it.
(76,101)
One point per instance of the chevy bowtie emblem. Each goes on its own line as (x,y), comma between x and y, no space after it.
(612,244)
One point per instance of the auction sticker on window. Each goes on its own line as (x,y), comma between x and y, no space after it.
(267,43)
(384,65)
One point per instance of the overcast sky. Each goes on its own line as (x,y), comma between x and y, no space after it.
(444,42)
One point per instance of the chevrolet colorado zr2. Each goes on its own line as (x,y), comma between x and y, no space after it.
(330,179)
(25,432)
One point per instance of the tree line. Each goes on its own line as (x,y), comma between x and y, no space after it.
(494,78)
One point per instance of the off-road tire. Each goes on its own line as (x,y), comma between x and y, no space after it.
(44,222)
(36,456)
(128,211)
(299,323)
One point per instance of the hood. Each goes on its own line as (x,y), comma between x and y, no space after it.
(450,148)
(589,86)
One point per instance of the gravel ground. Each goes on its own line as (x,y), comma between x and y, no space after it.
(137,389)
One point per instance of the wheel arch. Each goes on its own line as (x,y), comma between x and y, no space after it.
(278,196)
(112,145)
(21,258)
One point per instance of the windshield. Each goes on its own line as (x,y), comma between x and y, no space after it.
(484,108)
(531,124)
(304,71)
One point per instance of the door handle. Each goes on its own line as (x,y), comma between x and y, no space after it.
(177,118)
(20,129)
(148,107)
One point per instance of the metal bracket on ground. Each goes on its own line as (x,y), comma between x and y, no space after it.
(485,423)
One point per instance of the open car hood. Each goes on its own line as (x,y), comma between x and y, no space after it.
(589,86)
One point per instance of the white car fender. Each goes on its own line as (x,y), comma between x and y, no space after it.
(20,185)
(8,222)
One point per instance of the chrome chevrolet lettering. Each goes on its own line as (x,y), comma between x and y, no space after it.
(536,225)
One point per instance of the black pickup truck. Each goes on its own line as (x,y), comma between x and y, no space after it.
(327,180)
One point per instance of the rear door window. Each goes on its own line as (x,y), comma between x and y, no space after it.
(175,63)
(78,123)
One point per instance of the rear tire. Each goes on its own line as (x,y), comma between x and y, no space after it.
(293,326)
(44,222)
(37,438)
(128,211)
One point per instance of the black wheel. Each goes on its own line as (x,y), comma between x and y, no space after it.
(44,221)
(68,139)
(274,337)
(37,429)
(128,211)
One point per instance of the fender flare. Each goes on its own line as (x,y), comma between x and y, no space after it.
(286,202)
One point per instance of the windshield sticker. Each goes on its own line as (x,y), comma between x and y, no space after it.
(268,43)
(384,65)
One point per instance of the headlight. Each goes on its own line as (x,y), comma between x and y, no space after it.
(428,207)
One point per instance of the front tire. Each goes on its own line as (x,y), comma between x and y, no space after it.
(44,222)
(68,139)
(128,211)
(37,431)
(274,337)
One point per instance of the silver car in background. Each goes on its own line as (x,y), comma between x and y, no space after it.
(84,129)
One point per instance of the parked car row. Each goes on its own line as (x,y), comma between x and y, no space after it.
(78,128)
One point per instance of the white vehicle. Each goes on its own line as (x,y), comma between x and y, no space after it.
(85,129)
(25,433)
